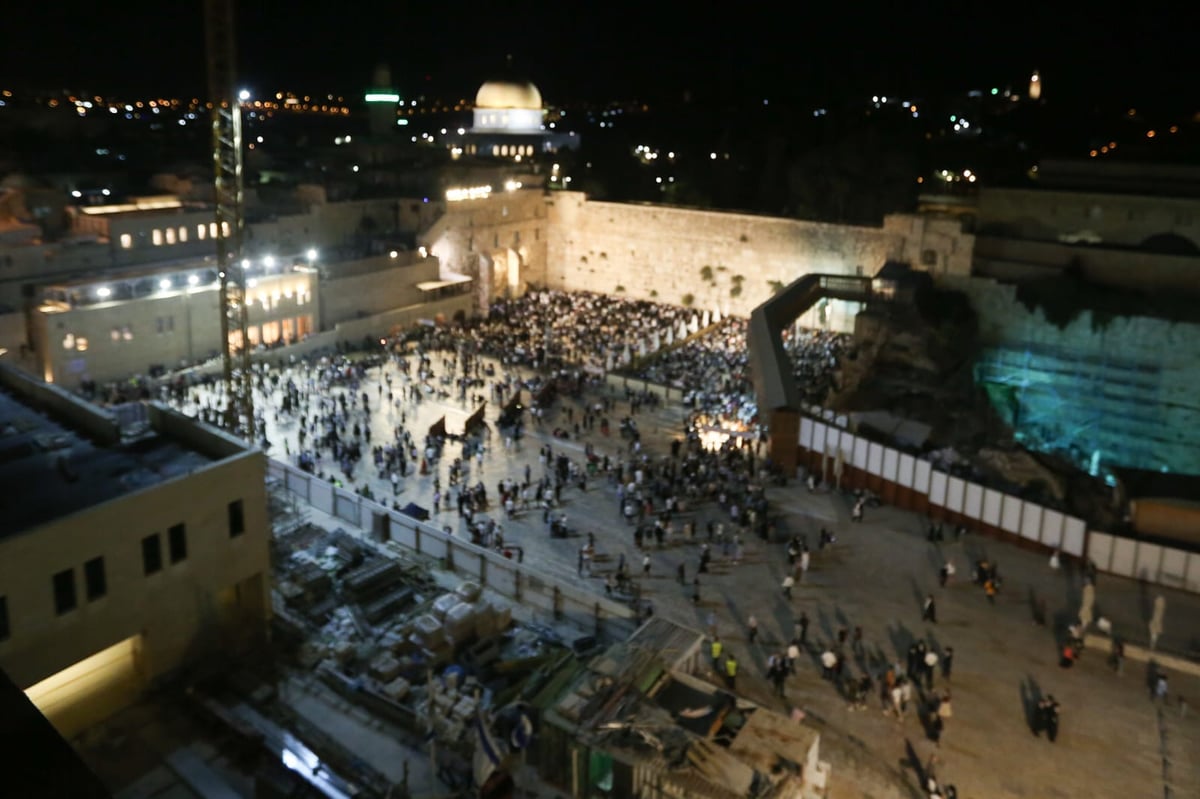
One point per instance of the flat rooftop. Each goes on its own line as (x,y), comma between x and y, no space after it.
(50,470)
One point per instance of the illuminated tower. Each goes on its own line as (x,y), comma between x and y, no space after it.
(381,101)
(1035,86)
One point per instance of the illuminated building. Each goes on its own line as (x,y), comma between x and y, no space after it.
(509,123)
(382,101)
(131,544)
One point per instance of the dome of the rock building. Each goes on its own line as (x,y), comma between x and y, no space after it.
(503,94)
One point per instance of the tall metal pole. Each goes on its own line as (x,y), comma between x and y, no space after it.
(229,213)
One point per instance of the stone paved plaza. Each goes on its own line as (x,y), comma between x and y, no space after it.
(1114,740)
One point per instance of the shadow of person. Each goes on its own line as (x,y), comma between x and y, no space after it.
(1031,695)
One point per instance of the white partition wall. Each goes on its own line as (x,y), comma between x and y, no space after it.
(1147,561)
(1100,550)
(992,502)
(973,503)
(956,489)
(1073,536)
(1031,521)
(861,445)
(994,509)
(891,464)
(922,477)
(806,432)
(1124,550)
(875,458)
(1010,514)
(1052,524)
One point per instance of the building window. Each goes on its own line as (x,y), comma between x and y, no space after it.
(115,333)
(151,554)
(170,235)
(237,518)
(81,344)
(182,233)
(4,630)
(126,241)
(224,230)
(64,591)
(495,239)
(212,230)
(127,333)
(69,341)
(156,237)
(537,234)
(201,231)
(93,576)
(177,541)
(929,257)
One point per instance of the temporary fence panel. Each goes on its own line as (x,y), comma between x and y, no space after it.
(321,495)
(891,465)
(1100,547)
(406,535)
(1010,514)
(1148,561)
(1124,552)
(1074,532)
(922,477)
(875,459)
(346,507)
(806,432)
(833,437)
(298,484)
(955,490)
(993,501)
(973,503)
(1052,524)
(937,488)
(1192,581)
(861,445)
(1031,521)
(818,436)
(1173,570)
(905,472)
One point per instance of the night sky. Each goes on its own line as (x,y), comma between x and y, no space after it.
(590,51)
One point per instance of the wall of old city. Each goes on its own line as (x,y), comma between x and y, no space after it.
(564,240)
(1121,219)
(656,252)
(1129,385)
(373,285)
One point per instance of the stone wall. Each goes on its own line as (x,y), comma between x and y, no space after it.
(1127,390)
(383,284)
(1120,219)
(564,240)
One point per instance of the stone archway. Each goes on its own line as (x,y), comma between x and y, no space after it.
(502,274)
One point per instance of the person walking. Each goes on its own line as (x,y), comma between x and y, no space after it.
(802,624)
(752,628)
(731,668)
(788,582)
(929,610)
(714,649)
(646,565)
(679,572)
(947,662)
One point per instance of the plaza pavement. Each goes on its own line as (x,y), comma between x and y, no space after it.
(1113,742)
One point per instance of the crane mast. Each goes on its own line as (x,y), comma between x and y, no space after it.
(230,216)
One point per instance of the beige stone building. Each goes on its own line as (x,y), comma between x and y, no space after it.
(709,259)
(127,549)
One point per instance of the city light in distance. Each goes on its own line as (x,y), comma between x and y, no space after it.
(164,285)
(193,280)
(269,261)
(311,254)
(244,95)
(382,97)
(512,185)
(393,254)
(103,292)
(470,193)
